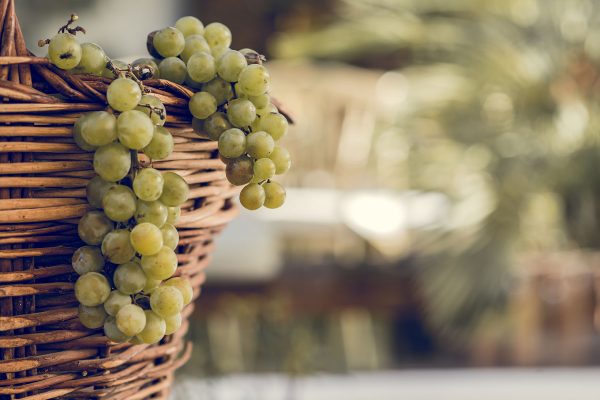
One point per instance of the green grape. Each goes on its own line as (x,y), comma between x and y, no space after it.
(93,59)
(184,286)
(274,194)
(232,143)
(189,25)
(161,265)
(170,236)
(154,102)
(173,323)
(112,162)
(93,226)
(87,259)
(146,239)
(230,64)
(194,44)
(153,212)
(217,35)
(173,215)
(252,196)
(78,138)
(274,124)
(135,129)
(220,89)
(135,340)
(239,171)
(123,94)
(92,317)
(241,112)
(218,52)
(175,190)
(151,284)
(148,62)
(169,42)
(281,158)
(117,248)
(166,301)
(154,330)
(192,83)
(119,203)
(112,332)
(269,109)
(99,128)
(254,80)
(116,300)
(148,184)
(215,125)
(259,144)
(260,101)
(129,278)
(264,168)
(131,319)
(173,69)
(161,145)
(92,289)
(201,67)
(107,73)
(202,105)
(64,51)
(95,191)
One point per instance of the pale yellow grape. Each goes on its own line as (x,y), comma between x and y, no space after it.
(93,226)
(112,331)
(274,194)
(217,35)
(175,190)
(148,184)
(116,300)
(260,101)
(117,248)
(92,289)
(129,278)
(107,73)
(281,158)
(151,284)
(119,203)
(161,265)
(218,52)
(112,162)
(264,168)
(192,83)
(166,301)
(154,330)
(215,125)
(241,112)
(173,214)
(173,69)
(148,62)
(239,171)
(194,44)
(135,129)
(220,89)
(153,212)
(230,64)
(92,317)
(64,51)
(184,286)
(87,259)
(156,104)
(232,143)
(146,239)
(269,109)
(252,196)
(93,59)
(202,105)
(201,67)
(131,319)
(189,25)
(169,42)
(274,124)
(161,145)
(173,323)
(123,94)
(259,144)
(99,128)
(254,80)
(170,236)
(78,138)
(95,191)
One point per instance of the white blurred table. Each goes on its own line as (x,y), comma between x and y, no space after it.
(455,384)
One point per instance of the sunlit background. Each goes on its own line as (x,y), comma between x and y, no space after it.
(443,208)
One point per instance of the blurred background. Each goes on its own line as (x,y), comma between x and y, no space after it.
(443,211)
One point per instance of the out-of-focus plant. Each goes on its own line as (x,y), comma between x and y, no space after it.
(499,112)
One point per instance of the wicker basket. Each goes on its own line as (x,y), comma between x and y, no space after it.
(44,351)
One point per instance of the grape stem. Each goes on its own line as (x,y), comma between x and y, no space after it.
(130,72)
(65,28)
(158,111)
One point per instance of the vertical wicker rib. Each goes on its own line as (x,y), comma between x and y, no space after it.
(44,351)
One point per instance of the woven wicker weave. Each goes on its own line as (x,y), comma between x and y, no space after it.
(44,351)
